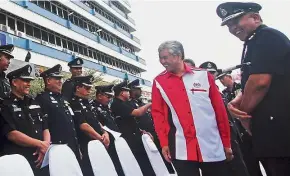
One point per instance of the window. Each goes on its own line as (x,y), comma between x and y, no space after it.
(11,23)
(36,32)
(64,43)
(44,35)
(58,41)
(41,4)
(29,29)
(20,26)
(95,55)
(85,51)
(53,9)
(90,53)
(47,5)
(65,15)
(76,20)
(51,38)
(2,19)
(59,10)
(81,50)
(70,46)
(75,48)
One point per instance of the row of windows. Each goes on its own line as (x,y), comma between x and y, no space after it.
(38,32)
(82,22)
(101,11)
(116,4)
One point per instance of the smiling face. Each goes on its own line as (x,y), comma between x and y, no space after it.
(244,25)
(21,87)
(169,61)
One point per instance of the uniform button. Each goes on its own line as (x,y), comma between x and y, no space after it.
(36,131)
(70,120)
(33,123)
(59,142)
(76,138)
(271,118)
(74,129)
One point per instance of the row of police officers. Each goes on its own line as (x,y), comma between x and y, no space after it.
(64,114)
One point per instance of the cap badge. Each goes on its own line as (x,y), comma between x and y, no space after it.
(29,69)
(209,65)
(78,62)
(60,68)
(223,12)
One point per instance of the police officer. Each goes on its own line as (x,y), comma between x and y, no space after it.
(60,114)
(145,122)
(86,120)
(104,95)
(189,62)
(5,56)
(25,125)
(76,70)
(265,97)
(237,166)
(125,120)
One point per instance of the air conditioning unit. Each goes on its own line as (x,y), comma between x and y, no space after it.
(43,42)
(3,28)
(65,50)
(19,33)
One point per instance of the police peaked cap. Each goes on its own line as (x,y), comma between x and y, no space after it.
(84,80)
(54,71)
(134,84)
(7,49)
(21,73)
(209,66)
(77,62)
(230,10)
(107,89)
(123,86)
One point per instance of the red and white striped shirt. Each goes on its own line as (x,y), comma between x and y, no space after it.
(190,116)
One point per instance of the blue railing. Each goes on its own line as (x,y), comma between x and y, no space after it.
(27,44)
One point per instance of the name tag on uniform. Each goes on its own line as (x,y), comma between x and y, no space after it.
(17,109)
(34,106)
(54,101)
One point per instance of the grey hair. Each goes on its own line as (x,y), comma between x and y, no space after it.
(174,47)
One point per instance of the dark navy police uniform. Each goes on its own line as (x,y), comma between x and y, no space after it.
(68,86)
(23,115)
(60,114)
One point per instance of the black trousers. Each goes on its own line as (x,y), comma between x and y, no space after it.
(191,168)
(276,166)
(237,166)
(114,156)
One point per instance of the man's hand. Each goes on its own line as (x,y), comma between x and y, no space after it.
(106,140)
(166,153)
(145,132)
(40,158)
(233,108)
(229,154)
(43,146)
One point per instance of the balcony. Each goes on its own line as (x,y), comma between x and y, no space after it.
(142,61)
(117,10)
(131,20)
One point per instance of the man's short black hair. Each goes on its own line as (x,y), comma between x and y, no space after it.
(190,61)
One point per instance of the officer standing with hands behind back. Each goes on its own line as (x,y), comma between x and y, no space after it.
(265,97)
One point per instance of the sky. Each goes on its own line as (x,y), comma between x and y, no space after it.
(196,25)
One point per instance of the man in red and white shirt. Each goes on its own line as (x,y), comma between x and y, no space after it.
(189,116)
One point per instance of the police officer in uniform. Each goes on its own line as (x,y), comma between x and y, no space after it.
(145,122)
(24,124)
(265,97)
(5,56)
(76,67)
(104,95)
(236,166)
(86,120)
(125,120)
(230,92)
(60,114)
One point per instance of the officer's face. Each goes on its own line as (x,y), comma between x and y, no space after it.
(126,95)
(21,86)
(136,93)
(84,91)
(226,80)
(54,84)
(169,61)
(244,25)
(4,62)
(76,71)
(104,99)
